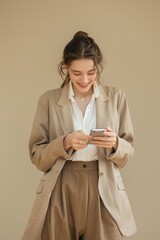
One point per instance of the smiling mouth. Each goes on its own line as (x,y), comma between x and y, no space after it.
(83,85)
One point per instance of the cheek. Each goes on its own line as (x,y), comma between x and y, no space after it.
(75,81)
(93,77)
(75,78)
(72,77)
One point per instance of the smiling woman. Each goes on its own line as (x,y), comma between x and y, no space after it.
(81,47)
(81,177)
(83,75)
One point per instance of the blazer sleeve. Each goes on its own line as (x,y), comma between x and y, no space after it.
(43,151)
(124,150)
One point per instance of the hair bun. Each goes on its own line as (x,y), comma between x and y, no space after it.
(80,34)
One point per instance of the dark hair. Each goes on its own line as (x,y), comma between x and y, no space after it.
(81,46)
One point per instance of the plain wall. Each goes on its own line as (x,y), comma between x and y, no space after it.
(32,36)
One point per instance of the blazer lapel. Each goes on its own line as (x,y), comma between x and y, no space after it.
(64,111)
(101,108)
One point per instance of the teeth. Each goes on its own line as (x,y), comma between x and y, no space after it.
(83,85)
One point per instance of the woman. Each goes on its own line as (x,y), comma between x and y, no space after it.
(81,195)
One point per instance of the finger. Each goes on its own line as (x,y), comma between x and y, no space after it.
(104,140)
(80,132)
(103,144)
(109,129)
(101,139)
(109,134)
(78,146)
(83,142)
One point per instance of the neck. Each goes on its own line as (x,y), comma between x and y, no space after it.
(83,95)
(83,98)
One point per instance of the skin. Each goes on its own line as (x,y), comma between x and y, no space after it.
(83,73)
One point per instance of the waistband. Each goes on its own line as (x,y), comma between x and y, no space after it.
(81,165)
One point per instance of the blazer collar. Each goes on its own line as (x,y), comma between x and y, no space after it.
(102,93)
(64,110)
(64,96)
(65,93)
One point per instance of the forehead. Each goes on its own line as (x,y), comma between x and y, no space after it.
(82,65)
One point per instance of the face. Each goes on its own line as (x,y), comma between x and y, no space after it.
(82,73)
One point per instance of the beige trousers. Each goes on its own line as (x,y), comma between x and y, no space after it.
(76,211)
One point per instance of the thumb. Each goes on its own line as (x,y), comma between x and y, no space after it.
(109,129)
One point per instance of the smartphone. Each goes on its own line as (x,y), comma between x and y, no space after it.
(98,132)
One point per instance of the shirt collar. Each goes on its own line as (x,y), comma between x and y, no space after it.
(95,91)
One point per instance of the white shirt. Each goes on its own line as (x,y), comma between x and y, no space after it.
(85,123)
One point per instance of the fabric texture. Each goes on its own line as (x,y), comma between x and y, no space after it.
(76,211)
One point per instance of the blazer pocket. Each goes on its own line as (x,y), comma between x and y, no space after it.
(40,186)
(120,184)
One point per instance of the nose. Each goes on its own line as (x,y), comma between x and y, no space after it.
(84,78)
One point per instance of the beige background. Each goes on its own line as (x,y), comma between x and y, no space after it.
(33,34)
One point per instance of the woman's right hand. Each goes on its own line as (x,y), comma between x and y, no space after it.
(76,140)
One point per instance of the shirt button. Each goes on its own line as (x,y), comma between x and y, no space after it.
(101,174)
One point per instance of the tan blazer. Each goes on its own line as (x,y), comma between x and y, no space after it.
(53,120)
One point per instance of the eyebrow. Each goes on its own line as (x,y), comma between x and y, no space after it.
(80,71)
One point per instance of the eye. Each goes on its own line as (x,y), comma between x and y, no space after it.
(76,74)
(91,73)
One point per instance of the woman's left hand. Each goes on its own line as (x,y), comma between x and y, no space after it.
(108,141)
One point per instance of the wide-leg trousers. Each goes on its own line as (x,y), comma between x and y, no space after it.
(76,211)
